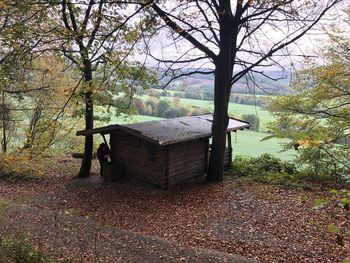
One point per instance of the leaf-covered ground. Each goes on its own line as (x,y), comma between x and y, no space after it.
(261,222)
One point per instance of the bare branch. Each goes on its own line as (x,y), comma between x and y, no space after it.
(182,32)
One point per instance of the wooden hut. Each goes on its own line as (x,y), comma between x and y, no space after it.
(164,152)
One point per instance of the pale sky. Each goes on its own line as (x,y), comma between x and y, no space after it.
(311,44)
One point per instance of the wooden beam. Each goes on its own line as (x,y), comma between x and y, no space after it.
(104,139)
(207,146)
(229,141)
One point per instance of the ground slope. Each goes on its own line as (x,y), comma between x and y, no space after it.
(260,222)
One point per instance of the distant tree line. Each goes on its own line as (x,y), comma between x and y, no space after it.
(164,108)
(235,98)
(241,88)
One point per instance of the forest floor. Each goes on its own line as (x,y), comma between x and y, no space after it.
(86,220)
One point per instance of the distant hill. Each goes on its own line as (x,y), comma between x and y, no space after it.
(205,83)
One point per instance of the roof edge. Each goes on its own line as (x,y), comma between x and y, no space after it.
(109,129)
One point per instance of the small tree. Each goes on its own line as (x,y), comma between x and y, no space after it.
(44,93)
(7,121)
(253,121)
(162,107)
(16,72)
(317,116)
(152,103)
(96,37)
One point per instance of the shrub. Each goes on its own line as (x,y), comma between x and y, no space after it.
(18,167)
(266,163)
(271,170)
(328,160)
(243,166)
(19,250)
(162,107)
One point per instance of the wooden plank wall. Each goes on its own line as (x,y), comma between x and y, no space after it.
(228,159)
(137,158)
(168,166)
(187,160)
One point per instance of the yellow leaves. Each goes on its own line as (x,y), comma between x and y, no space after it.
(305,143)
(250,2)
(17,158)
(97,89)
(310,143)
(13,163)
(3,5)
(21,166)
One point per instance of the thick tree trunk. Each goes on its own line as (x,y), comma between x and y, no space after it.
(222,89)
(220,122)
(89,124)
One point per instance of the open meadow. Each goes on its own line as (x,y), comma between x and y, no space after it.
(249,143)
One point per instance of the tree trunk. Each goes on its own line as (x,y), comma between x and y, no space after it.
(4,142)
(222,90)
(220,122)
(89,124)
(33,127)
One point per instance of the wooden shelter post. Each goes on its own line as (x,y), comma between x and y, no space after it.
(228,151)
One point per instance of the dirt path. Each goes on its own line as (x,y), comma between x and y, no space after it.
(82,240)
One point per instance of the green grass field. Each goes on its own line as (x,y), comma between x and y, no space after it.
(249,143)
(172,92)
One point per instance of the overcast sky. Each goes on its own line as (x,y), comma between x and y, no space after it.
(311,44)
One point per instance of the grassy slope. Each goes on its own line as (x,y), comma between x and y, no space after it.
(235,109)
(172,92)
(249,143)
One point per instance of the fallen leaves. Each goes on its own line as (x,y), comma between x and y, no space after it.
(267,223)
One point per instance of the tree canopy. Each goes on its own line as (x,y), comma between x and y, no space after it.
(232,40)
(95,39)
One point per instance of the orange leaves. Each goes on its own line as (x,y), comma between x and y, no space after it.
(250,2)
(310,143)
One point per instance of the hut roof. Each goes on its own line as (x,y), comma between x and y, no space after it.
(170,131)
